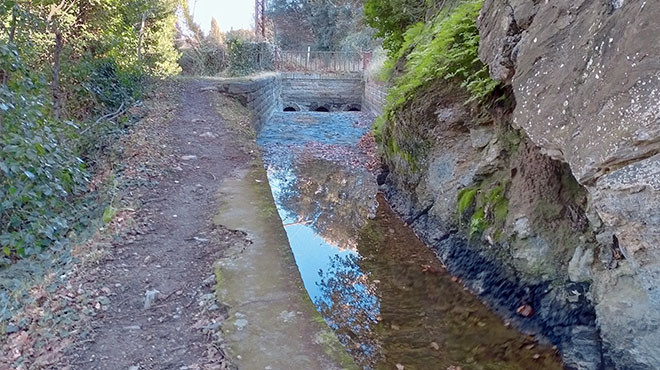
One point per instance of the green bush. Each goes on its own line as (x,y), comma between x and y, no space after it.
(465,199)
(113,87)
(39,170)
(246,57)
(445,48)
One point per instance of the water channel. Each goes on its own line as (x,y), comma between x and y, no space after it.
(385,294)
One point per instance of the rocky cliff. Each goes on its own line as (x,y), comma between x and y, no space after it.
(547,202)
(586,77)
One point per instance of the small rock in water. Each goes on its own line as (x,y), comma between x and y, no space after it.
(400,367)
(435,346)
(188,157)
(150,296)
(240,324)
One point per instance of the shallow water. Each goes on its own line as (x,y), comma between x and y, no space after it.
(383,292)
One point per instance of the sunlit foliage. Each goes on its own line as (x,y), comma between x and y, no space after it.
(67,67)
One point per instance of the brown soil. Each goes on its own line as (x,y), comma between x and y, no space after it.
(171,250)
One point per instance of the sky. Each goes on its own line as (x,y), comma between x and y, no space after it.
(231,14)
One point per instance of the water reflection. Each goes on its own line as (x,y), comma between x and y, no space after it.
(383,292)
(349,304)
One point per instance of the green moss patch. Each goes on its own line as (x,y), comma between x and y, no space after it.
(465,199)
(490,205)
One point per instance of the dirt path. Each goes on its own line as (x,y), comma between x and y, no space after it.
(172,254)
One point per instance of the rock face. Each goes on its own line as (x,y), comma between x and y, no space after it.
(506,219)
(586,78)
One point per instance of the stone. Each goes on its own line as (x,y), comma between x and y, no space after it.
(208,134)
(587,88)
(150,296)
(522,228)
(490,159)
(240,324)
(628,200)
(188,157)
(481,136)
(579,268)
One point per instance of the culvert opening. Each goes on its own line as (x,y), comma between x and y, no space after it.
(353,109)
(290,109)
(322,109)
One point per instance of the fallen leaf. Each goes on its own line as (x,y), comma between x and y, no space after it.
(525,310)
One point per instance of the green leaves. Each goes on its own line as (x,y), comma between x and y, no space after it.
(392,18)
(109,214)
(37,164)
(445,48)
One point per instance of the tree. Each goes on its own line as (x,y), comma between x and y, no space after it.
(215,35)
(391,18)
(323,24)
(65,67)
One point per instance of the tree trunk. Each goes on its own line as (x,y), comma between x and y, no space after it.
(12,27)
(141,36)
(4,75)
(56,73)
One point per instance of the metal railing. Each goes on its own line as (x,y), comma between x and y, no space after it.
(320,61)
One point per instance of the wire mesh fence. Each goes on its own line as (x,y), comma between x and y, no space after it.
(320,61)
(246,60)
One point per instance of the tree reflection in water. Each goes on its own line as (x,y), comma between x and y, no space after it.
(349,304)
(334,200)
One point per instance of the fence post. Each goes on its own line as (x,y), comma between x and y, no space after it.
(309,50)
(366,60)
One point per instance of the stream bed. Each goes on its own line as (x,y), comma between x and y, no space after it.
(384,293)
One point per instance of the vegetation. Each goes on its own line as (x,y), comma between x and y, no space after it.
(321,24)
(483,206)
(422,55)
(68,71)
(445,48)
(465,199)
(201,55)
(392,18)
(249,57)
